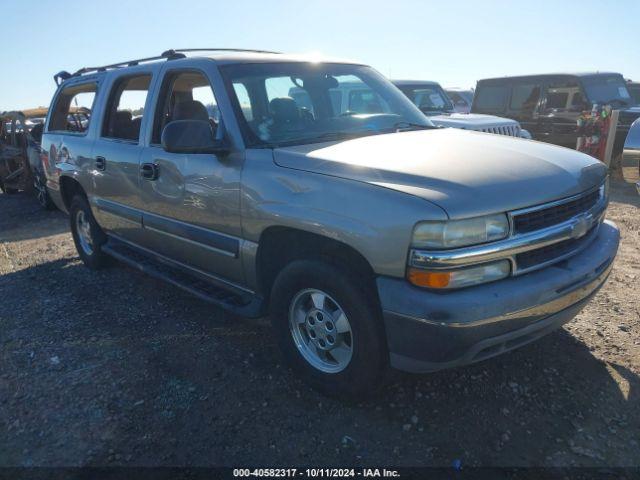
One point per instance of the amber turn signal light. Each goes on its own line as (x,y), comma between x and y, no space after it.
(424,278)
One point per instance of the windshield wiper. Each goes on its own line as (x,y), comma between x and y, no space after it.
(400,126)
(327,136)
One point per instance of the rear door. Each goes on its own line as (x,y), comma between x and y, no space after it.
(70,131)
(116,154)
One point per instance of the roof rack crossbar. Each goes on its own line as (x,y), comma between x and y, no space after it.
(248,50)
(171,54)
(168,55)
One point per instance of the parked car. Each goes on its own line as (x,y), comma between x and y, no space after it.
(356,98)
(634,91)
(20,160)
(14,166)
(631,155)
(372,239)
(461,98)
(549,105)
(432,100)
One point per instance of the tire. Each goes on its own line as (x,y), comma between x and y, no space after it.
(87,234)
(40,191)
(292,298)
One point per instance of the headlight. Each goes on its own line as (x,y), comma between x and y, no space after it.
(604,189)
(462,277)
(460,233)
(525,134)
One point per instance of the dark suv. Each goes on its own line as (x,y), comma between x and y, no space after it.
(549,105)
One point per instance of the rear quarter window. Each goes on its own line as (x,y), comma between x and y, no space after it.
(491,97)
(71,112)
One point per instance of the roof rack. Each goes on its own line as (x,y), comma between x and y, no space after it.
(171,54)
(249,50)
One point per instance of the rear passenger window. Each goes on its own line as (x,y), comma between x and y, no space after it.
(72,110)
(491,98)
(525,97)
(563,96)
(457,100)
(125,108)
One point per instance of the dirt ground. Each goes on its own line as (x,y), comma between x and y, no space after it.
(115,368)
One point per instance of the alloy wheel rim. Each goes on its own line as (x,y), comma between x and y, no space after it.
(321,330)
(41,190)
(83,227)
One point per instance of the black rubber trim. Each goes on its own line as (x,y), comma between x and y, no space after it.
(120,210)
(193,233)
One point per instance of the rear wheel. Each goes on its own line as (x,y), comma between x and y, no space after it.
(87,234)
(41,192)
(329,328)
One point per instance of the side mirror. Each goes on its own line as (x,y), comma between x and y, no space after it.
(191,136)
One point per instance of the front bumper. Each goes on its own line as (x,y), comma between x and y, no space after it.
(429,331)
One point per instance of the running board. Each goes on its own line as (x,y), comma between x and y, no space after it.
(197,283)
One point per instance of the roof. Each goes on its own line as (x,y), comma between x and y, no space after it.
(401,83)
(29,113)
(249,57)
(458,89)
(545,75)
(219,55)
(35,112)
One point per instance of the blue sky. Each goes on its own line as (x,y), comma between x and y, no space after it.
(454,42)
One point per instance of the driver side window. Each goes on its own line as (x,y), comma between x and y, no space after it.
(185,95)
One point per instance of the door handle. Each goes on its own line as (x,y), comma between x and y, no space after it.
(149,171)
(101,164)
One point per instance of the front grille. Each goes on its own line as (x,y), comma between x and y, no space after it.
(546,254)
(546,217)
(509,130)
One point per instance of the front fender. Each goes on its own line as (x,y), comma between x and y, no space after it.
(374,220)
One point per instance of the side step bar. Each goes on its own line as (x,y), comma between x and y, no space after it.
(195,282)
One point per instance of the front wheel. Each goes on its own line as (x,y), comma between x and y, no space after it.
(87,234)
(329,328)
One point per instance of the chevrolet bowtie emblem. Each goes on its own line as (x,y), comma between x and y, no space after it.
(581,226)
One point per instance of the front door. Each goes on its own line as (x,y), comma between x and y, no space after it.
(524,106)
(116,156)
(191,201)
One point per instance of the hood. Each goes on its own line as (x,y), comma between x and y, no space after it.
(465,173)
(470,121)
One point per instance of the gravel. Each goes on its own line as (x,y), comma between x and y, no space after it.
(116,368)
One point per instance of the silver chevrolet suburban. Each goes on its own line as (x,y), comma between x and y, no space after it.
(372,239)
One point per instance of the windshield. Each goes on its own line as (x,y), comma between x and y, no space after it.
(430,99)
(295,103)
(607,89)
